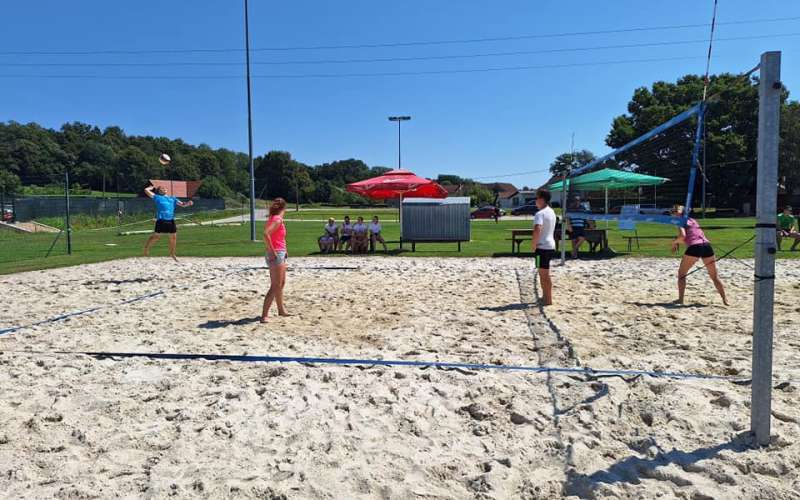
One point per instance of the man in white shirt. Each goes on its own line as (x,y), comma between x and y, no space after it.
(543,242)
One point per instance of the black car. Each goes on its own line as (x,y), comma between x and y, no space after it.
(529,209)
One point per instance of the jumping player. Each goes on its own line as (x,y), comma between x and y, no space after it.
(697,247)
(165,218)
(543,243)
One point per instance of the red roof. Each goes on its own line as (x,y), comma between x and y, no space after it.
(183,189)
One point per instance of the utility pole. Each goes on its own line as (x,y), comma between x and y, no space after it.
(769,107)
(250,125)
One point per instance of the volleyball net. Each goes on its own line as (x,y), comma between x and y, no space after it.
(642,179)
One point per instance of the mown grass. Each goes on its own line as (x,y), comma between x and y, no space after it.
(23,252)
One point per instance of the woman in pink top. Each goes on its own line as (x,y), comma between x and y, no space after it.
(275,242)
(697,247)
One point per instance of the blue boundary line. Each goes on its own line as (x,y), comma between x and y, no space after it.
(242,358)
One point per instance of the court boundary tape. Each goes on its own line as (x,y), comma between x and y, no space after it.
(446,365)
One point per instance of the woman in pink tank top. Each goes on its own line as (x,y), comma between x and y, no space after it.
(697,247)
(275,243)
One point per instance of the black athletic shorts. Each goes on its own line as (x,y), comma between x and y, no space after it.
(703,251)
(578,232)
(165,226)
(543,258)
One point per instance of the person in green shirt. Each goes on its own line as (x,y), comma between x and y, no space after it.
(787,224)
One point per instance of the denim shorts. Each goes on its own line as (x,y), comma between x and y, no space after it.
(281,257)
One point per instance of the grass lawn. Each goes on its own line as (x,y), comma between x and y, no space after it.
(23,252)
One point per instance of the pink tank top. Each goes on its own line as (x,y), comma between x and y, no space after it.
(694,235)
(278,236)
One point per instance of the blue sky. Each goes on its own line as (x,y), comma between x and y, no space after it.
(480,124)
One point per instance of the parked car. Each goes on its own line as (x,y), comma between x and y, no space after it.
(486,212)
(529,209)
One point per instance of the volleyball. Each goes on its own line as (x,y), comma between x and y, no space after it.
(164,159)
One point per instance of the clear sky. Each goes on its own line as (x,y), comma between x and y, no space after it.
(475,124)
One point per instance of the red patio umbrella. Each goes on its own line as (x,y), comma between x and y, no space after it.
(399,183)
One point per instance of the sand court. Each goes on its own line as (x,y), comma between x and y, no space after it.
(84,427)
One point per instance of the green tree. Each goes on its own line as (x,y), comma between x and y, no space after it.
(568,161)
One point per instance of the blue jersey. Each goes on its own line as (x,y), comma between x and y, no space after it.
(165,206)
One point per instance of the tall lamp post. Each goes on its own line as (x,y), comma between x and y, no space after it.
(250,125)
(399,120)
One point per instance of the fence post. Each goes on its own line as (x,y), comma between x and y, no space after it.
(66,208)
(769,92)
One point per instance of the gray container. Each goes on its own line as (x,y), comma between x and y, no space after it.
(435,220)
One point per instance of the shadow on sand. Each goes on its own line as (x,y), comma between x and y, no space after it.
(510,307)
(665,305)
(119,282)
(213,324)
(632,469)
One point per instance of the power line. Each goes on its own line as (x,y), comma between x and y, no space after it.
(407,59)
(350,75)
(516,174)
(397,44)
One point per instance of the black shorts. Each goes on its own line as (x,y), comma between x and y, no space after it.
(543,258)
(578,232)
(165,226)
(345,237)
(703,251)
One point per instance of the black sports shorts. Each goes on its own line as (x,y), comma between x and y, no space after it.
(703,251)
(165,226)
(543,258)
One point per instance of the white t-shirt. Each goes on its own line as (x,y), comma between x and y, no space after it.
(374,228)
(547,219)
(358,227)
(331,229)
(347,228)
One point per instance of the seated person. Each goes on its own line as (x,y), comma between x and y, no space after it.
(347,234)
(375,235)
(576,227)
(326,243)
(787,227)
(331,230)
(360,236)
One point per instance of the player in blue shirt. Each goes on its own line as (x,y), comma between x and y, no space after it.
(165,218)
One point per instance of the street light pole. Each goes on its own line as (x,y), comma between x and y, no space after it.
(398,119)
(250,125)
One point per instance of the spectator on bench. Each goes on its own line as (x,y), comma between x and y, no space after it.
(787,227)
(360,236)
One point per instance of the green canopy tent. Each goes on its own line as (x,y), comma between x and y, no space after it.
(605,179)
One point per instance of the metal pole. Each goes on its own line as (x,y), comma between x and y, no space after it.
(66,209)
(250,125)
(769,91)
(564,202)
(398,143)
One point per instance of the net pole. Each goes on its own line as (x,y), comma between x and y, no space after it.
(769,90)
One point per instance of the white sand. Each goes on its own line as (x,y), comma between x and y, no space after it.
(78,427)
